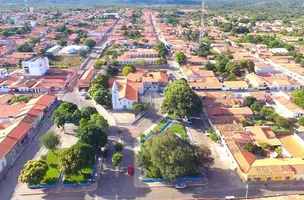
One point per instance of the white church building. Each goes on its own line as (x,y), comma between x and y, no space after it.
(126,91)
(124,94)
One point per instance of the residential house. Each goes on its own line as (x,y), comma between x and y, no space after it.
(235,85)
(287,108)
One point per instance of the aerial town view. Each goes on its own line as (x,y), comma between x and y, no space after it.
(151,99)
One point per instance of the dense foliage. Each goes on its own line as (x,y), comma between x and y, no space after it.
(168,156)
(181,100)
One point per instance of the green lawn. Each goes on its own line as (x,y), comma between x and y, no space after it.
(84,177)
(173,116)
(53,163)
(279,128)
(179,129)
(160,125)
(66,61)
(258,121)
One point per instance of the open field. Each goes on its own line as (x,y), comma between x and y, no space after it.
(66,61)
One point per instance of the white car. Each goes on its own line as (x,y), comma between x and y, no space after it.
(207,133)
(180,186)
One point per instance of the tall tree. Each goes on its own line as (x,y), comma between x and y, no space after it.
(247,65)
(50,140)
(180,57)
(103,97)
(33,172)
(101,80)
(87,111)
(128,69)
(91,134)
(76,158)
(181,100)
(171,157)
(117,159)
(298,97)
(90,43)
(99,121)
(161,49)
(65,112)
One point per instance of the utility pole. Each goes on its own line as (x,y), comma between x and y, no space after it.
(247,187)
(202,28)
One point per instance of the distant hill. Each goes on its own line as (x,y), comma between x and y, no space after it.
(283,3)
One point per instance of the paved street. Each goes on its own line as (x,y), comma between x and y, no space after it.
(115,185)
(10,185)
(222,174)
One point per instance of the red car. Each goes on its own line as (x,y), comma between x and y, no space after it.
(130,170)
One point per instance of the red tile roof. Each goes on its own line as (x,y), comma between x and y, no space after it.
(46,99)
(20,131)
(6,145)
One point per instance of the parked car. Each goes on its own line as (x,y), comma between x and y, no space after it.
(229,197)
(207,133)
(189,120)
(130,170)
(180,185)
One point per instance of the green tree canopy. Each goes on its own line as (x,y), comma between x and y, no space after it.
(103,97)
(33,172)
(26,47)
(248,65)
(50,140)
(87,111)
(99,121)
(65,112)
(90,43)
(180,57)
(298,97)
(171,157)
(77,157)
(91,134)
(117,159)
(127,70)
(301,121)
(256,106)
(112,71)
(249,100)
(118,147)
(203,50)
(181,100)
(161,49)
(101,80)
(63,43)
(234,68)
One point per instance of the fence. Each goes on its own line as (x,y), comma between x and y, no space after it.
(161,180)
(46,186)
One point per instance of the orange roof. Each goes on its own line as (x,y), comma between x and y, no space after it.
(46,99)
(5,98)
(34,112)
(6,145)
(292,146)
(20,130)
(245,159)
(214,111)
(10,111)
